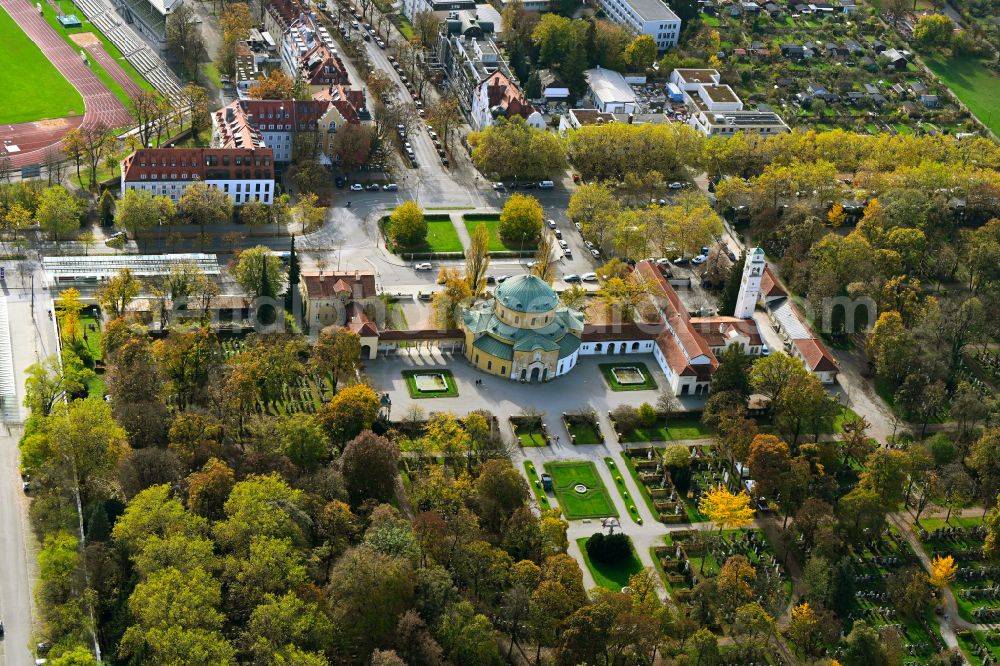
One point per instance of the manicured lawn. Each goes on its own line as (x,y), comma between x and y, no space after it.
(92,328)
(674,429)
(531,437)
(649,384)
(450,389)
(536,485)
(492,223)
(974,84)
(622,490)
(584,433)
(611,576)
(33,89)
(112,50)
(441,236)
(642,487)
(592,503)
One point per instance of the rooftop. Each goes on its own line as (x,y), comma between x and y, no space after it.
(652,10)
(720,93)
(609,85)
(108,265)
(698,75)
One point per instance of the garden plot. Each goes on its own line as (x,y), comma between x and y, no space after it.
(430,383)
(583,428)
(628,376)
(529,430)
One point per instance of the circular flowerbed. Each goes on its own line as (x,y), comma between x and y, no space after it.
(580,488)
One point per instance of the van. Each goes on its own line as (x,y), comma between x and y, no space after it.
(546,185)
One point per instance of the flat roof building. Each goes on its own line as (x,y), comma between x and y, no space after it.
(728,123)
(646,17)
(610,92)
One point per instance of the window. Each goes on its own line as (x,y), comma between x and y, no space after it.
(477,358)
(503,370)
(533,321)
(489,365)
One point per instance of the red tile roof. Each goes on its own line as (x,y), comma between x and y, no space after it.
(770,286)
(502,92)
(815,355)
(685,343)
(618,332)
(715,330)
(329,285)
(192,164)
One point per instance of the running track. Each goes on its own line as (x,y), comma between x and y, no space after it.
(101,106)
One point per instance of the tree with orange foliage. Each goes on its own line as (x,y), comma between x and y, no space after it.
(943,571)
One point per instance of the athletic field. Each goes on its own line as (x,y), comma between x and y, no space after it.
(30,86)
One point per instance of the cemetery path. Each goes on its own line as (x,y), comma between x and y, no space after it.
(950,621)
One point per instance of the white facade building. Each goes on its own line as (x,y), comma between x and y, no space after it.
(243,174)
(610,92)
(753,272)
(646,17)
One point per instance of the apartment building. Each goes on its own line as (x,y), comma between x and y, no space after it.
(244,174)
(646,17)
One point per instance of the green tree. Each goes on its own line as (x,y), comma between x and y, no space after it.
(933,31)
(117,293)
(54,380)
(255,213)
(262,506)
(521,221)
(259,272)
(336,355)
(58,211)
(771,374)
(303,441)
(204,205)
(369,467)
(594,207)
(139,210)
(510,149)
(407,226)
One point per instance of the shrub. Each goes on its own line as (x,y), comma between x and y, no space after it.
(647,415)
(626,418)
(608,548)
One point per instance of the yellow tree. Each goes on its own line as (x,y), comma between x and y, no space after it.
(448,303)
(836,215)
(725,509)
(943,570)
(802,628)
(68,307)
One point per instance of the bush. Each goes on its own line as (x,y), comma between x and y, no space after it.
(626,418)
(608,548)
(647,415)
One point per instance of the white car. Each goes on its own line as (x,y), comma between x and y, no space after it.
(552,224)
(596,253)
(390,187)
(590,246)
(700,259)
(663,262)
(675,185)
(578,227)
(563,244)
(357,187)
(424,266)
(589,277)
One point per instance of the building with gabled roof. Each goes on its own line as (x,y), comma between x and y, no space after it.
(244,174)
(497,96)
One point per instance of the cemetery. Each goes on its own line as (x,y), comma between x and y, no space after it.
(981,648)
(659,428)
(977,582)
(873,571)
(580,491)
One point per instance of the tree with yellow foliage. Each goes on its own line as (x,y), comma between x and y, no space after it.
(836,215)
(943,570)
(68,307)
(803,627)
(447,304)
(725,509)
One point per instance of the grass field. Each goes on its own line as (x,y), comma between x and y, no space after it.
(974,84)
(594,503)
(673,430)
(531,435)
(88,324)
(441,235)
(584,432)
(33,89)
(611,576)
(411,384)
(492,223)
(648,385)
(86,26)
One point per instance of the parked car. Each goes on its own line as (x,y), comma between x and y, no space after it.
(552,224)
(490,279)
(596,253)
(765,350)
(590,246)
(700,259)
(704,250)
(390,187)
(675,185)
(340,181)
(563,244)
(568,253)
(558,234)
(572,277)
(26,487)
(115,237)
(423,266)
(546,185)
(663,262)
(589,277)
(357,187)
(578,226)
(499,187)
(680,261)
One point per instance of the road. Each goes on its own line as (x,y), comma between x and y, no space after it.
(32,339)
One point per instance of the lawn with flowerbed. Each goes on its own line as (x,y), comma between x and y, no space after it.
(628,376)
(623,492)
(612,576)
(536,485)
(580,491)
(430,383)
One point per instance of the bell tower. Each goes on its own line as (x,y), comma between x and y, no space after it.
(753,272)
